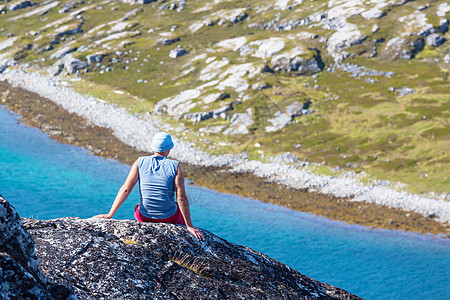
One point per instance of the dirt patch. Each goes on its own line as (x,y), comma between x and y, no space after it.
(70,128)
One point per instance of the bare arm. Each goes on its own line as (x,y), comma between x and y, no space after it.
(183,203)
(124,192)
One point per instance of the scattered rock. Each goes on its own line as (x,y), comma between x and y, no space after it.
(401,48)
(72,65)
(435,40)
(202,116)
(168,41)
(7,43)
(63,52)
(223,96)
(375,28)
(232,44)
(443,26)
(177,105)
(423,7)
(286,157)
(56,69)
(177,52)
(269,47)
(70,31)
(20,5)
(239,123)
(94,58)
(361,71)
(443,9)
(374,13)
(260,86)
(66,7)
(134,2)
(402,91)
(281,119)
(294,61)
(267,69)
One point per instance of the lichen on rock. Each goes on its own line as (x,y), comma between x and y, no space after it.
(124,259)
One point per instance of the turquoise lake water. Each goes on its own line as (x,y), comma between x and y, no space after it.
(44,179)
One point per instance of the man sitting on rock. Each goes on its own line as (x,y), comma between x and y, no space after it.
(159,178)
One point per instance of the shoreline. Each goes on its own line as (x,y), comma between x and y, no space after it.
(336,198)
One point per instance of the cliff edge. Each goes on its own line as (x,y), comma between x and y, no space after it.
(72,258)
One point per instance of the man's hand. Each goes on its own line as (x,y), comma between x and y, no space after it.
(196,232)
(103,216)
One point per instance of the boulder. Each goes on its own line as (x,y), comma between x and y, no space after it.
(56,69)
(138,1)
(220,112)
(71,31)
(374,13)
(401,48)
(63,52)
(72,65)
(299,61)
(94,58)
(281,119)
(168,41)
(20,276)
(177,52)
(20,5)
(435,40)
(443,26)
(402,91)
(124,259)
(267,69)
(239,123)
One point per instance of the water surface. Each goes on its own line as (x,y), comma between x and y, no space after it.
(44,179)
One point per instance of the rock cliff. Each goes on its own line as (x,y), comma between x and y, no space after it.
(111,259)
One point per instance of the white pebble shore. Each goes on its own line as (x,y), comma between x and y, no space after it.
(137,132)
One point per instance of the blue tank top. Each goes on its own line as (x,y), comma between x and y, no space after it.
(156,186)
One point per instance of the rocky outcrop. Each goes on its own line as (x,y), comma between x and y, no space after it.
(20,277)
(113,259)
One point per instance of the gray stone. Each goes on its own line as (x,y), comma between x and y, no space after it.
(125,259)
(435,40)
(169,41)
(402,91)
(267,69)
(72,65)
(361,71)
(70,32)
(202,116)
(260,86)
(56,69)
(138,1)
(177,52)
(198,116)
(20,5)
(3,67)
(63,52)
(94,58)
(281,119)
(298,64)
(239,123)
(286,157)
(20,276)
(443,26)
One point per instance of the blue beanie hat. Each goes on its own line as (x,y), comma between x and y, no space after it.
(161,142)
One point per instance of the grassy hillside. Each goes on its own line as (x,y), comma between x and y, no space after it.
(352,88)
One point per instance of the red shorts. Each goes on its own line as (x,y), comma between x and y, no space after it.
(176,218)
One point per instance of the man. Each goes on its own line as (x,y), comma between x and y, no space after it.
(159,178)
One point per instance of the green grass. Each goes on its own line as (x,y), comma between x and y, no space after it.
(367,130)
